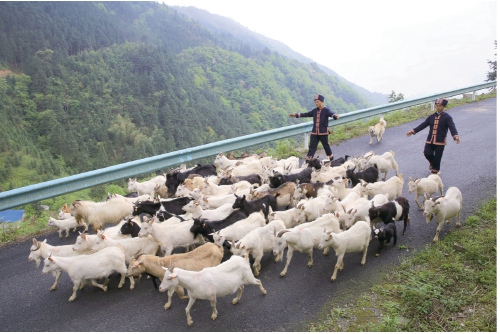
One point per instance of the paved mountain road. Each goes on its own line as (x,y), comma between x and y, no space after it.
(292,302)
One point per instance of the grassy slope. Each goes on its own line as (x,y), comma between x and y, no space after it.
(448,286)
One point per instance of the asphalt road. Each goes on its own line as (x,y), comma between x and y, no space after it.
(292,302)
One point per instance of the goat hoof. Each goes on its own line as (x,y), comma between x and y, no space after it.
(377,254)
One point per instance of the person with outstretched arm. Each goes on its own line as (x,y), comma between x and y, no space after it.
(320,129)
(439,123)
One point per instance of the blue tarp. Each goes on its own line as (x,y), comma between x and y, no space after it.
(11,216)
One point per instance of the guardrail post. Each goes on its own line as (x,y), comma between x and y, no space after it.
(473,95)
(432,106)
(306,140)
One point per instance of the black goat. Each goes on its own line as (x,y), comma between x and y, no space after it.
(173,206)
(207,227)
(369,175)
(388,212)
(316,163)
(384,234)
(252,178)
(130,227)
(249,207)
(278,179)
(175,178)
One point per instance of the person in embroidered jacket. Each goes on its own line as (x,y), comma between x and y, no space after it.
(320,128)
(439,123)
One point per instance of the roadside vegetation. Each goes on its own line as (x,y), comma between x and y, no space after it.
(450,286)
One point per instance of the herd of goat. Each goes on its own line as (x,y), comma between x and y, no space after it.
(235,209)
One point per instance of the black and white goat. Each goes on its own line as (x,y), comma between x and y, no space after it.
(396,210)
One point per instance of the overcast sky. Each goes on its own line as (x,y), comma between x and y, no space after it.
(412,47)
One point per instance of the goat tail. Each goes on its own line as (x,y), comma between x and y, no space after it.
(266,212)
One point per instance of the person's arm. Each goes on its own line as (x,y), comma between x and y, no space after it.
(419,128)
(453,130)
(298,115)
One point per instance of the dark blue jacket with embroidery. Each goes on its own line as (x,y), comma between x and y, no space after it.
(438,128)
(320,120)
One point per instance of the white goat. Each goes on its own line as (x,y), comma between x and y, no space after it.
(238,230)
(170,236)
(97,214)
(207,255)
(392,188)
(252,167)
(41,249)
(130,246)
(359,209)
(443,209)
(304,238)
(429,185)
(133,200)
(89,267)
(215,214)
(64,215)
(291,217)
(355,239)
(66,225)
(384,162)
(142,188)
(327,173)
(258,242)
(211,283)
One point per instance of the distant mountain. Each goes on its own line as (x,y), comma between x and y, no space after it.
(227,27)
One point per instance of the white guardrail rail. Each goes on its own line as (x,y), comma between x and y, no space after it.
(36,192)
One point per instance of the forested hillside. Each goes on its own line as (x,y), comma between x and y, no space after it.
(228,28)
(96,84)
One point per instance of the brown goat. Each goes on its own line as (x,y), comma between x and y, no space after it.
(66,208)
(207,255)
(284,194)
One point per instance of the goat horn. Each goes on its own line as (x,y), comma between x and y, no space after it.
(280,233)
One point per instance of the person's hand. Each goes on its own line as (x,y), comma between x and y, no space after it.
(457,139)
(409,133)
(336,116)
(291,115)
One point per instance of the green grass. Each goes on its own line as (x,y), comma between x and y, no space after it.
(448,286)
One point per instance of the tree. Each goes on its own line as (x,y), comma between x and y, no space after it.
(394,98)
(492,74)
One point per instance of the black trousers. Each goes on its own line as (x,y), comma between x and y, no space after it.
(313,145)
(433,154)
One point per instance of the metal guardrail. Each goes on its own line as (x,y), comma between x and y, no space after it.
(24,195)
